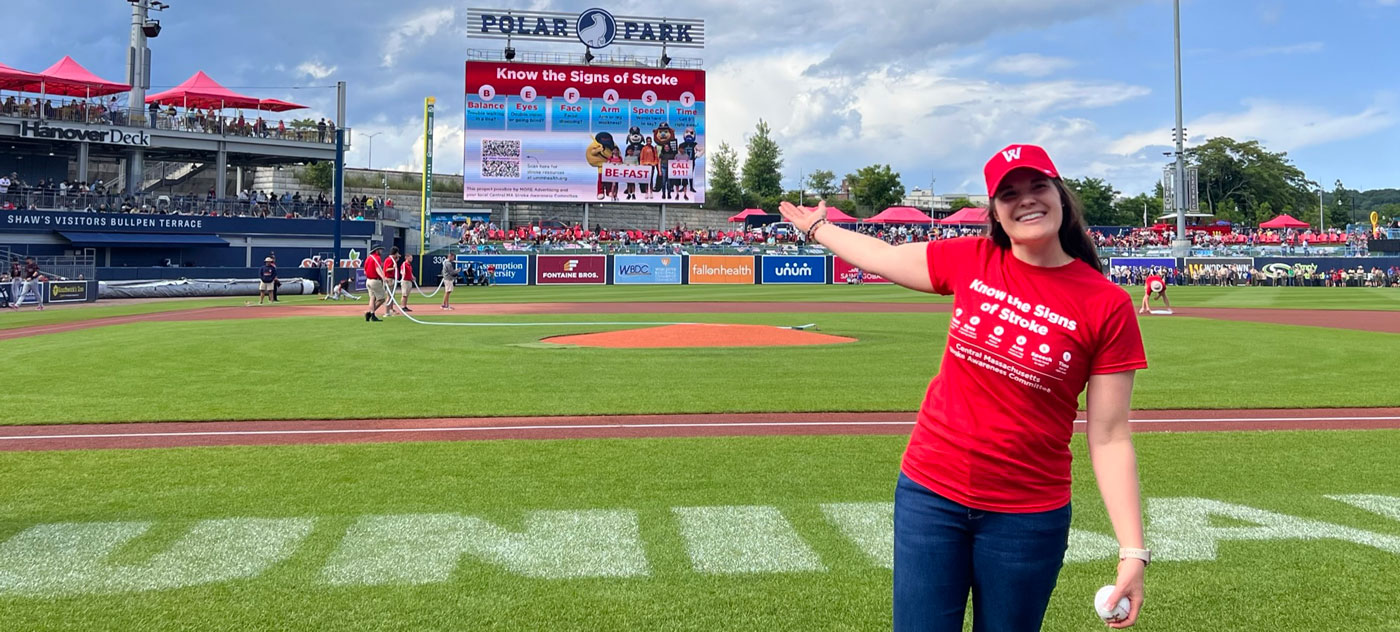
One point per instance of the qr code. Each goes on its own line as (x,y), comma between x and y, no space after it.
(500,158)
(500,149)
(500,169)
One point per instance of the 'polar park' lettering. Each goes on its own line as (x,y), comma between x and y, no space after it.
(66,559)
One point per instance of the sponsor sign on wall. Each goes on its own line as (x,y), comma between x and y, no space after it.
(39,221)
(715,269)
(793,269)
(67,291)
(647,269)
(571,269)
(846,273)
(1143,262)
(510,269)
(552,133)
(1279,267)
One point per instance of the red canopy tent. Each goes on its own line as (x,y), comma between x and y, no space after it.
(13,79)
(278,105)
(1284,221)
(966,216)
(746,213)
(199,91)
(68,78)
(901,215)
(839,216)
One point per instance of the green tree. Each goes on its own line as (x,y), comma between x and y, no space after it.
(1097,198)
(822,181)
(1339,211)
(1249,175)
(724,191)
(875,188)
(1129,211)
(762,172)
(319,175)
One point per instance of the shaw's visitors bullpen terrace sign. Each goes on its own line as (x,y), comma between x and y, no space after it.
(595,28)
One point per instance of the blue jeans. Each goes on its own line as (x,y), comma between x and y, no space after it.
(942,549)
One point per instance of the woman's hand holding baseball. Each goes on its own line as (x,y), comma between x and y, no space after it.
(801,217)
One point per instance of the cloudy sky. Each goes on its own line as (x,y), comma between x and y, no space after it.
(931,87)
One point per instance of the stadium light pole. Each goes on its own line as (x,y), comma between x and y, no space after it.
(370,161)
(1181,247)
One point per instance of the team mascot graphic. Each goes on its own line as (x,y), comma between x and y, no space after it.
(688,151)
(599,151)
(667,148)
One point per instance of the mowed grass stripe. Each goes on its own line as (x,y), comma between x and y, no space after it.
(337,368)
(1290,584)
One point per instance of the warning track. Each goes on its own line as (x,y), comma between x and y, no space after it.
(299,432)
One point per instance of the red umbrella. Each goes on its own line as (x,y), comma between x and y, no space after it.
(68,78)
(1284,221)
(200,91)
(13,79)
(748,212)
(966,216)
(839,216)
(901,215)
(278,105)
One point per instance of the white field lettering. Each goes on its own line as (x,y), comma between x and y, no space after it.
(71,559)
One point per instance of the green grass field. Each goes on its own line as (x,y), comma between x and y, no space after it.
(745,533)
(315,367)
(815,575)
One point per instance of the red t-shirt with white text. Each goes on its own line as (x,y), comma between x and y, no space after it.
(994,428)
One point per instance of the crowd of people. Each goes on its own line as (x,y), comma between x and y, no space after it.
(1239,274)
(167,117)
(97,197)
(1290,240)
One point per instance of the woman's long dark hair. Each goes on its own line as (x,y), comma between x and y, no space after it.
(1074,236)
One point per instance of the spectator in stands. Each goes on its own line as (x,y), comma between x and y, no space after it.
(267,280)
(321,130)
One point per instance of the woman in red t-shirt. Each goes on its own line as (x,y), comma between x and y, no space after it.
(983,498)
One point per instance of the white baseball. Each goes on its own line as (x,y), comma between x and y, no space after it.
(1118,613)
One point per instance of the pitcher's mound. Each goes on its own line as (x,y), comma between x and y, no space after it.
(699,335)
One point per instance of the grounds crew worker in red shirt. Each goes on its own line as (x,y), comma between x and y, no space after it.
(983,499)
(374,282)
(406,281)
(1154,284)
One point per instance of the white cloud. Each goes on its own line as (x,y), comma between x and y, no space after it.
(1279,126)
(1030,65)
(315,69)
(1290,49)
(421,26)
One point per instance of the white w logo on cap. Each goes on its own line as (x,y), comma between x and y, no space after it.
(1012,154)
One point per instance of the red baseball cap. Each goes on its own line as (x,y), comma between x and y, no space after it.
(1016,157)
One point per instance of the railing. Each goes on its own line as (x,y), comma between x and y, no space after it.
(46,200)
(81,265)
(192,120)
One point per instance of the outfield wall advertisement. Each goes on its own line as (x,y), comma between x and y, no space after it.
(783,269)
(550,133)
(571,269)
(647,269)
(510,269)
(721,269)
(844,272)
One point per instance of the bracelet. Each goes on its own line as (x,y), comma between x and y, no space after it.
(1138,554)
(812,230)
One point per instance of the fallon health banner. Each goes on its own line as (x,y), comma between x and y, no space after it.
(542,132)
